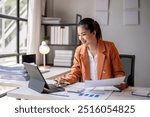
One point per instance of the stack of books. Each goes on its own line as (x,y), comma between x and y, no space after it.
(50,20)
(63,58)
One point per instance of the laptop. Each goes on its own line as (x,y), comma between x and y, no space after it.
(37,81)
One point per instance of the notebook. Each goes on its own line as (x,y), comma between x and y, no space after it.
(37,81)
(142,92)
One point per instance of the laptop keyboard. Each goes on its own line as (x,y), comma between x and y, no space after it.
(54,88)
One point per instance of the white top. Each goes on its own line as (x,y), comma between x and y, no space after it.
(93,65)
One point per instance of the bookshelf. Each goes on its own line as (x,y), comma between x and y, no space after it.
(62,36)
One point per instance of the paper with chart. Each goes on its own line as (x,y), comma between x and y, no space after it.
(102,83)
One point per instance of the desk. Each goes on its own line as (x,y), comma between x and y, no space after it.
(26,93)
(8,85)
(54,72)
(126,95)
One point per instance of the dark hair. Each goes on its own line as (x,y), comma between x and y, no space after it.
(91,25)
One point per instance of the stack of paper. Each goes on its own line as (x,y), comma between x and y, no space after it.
(16,72)
(107,84)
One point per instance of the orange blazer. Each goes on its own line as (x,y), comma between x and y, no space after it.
(108,64)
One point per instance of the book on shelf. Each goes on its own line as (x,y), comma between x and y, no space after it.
(66,37)
(60,35)
(63,52)
(56,35)
(67,64)
(63,58)
(51,20)
(52,34)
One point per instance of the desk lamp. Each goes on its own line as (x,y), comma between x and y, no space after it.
(44,49)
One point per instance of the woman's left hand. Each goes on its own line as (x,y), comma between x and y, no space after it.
(122,86)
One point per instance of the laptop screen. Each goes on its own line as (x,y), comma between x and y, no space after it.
(34,71)
(36,81)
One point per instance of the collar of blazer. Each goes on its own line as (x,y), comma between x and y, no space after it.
(101,48)
(100,61)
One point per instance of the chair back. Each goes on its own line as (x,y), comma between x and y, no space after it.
(128,62)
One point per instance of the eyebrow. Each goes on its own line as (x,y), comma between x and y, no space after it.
(83,32)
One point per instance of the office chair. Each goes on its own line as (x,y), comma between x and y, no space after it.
(128,62)
(30,58)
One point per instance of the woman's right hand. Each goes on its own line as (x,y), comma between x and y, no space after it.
(61,81)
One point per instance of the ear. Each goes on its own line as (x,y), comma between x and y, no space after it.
(94,32)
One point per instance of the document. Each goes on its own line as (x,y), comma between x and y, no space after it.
(106,88)
(107,82)
(75,88)
(94,95)
(142,92)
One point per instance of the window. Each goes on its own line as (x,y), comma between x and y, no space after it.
(13,30)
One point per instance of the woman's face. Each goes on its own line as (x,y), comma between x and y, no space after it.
(85,36)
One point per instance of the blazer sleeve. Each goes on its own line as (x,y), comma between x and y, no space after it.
(117,66)
(75,73)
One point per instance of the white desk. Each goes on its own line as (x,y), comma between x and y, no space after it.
(126,95)
(8,85)
(26,93)
(54,72)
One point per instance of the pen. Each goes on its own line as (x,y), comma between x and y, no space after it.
(65,94)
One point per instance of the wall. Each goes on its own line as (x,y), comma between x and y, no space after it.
(128,39)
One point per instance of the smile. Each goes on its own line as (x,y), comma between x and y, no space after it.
(83,41)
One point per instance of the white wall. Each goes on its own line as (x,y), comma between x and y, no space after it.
(128,39)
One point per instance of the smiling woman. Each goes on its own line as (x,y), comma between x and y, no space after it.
(95,59)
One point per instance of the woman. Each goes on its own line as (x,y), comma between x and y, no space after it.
(95,59)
